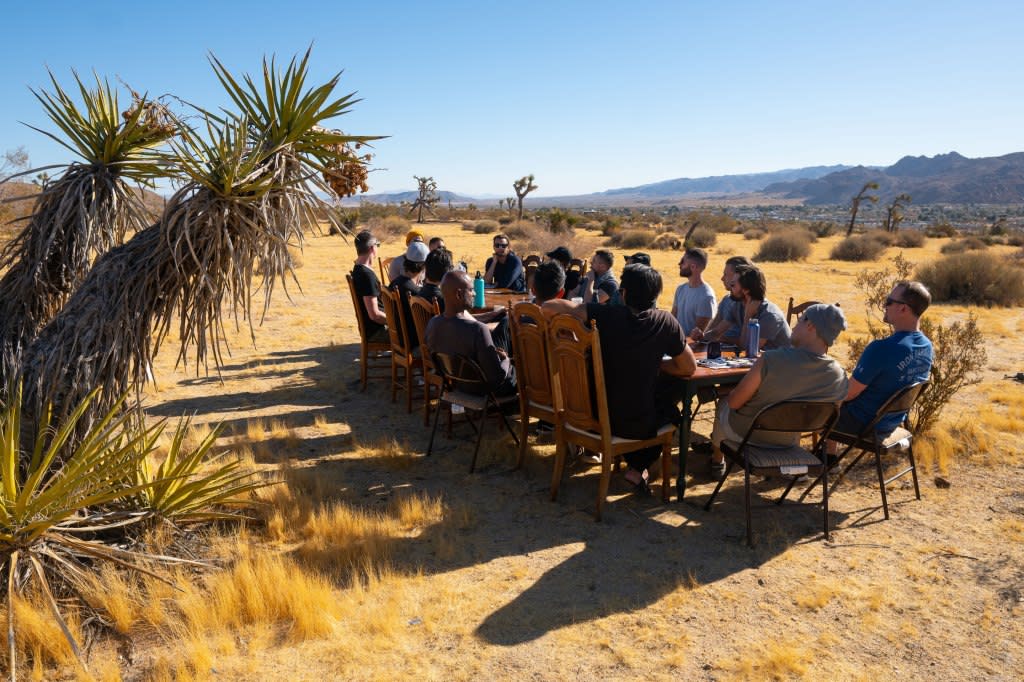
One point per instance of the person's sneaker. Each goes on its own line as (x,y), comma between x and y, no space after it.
(717,470)
(590,457)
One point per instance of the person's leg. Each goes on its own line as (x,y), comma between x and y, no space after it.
(501,336)
(721,431)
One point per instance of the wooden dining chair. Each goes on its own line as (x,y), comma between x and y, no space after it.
(403,362)
(797,416)
(529,330)
(376,351)
(582,406)
(422,310)
(578,265)
(532,259)
(794,311)
(384,265)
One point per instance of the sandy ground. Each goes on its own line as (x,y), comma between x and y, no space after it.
(525,588)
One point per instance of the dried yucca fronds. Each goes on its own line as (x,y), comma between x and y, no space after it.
(84,212)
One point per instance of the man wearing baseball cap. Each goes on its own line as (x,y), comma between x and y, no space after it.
(803,371)
(407,284)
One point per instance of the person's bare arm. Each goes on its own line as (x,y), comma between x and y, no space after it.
(489,275)
(373,310)
(602,296)
(856,388)
(682,365)
(702,323)
(557,306)
(747,387)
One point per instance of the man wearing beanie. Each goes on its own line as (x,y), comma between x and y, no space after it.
(803,371)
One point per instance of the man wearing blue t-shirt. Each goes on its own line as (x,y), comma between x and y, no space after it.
(504,269)
(889,364)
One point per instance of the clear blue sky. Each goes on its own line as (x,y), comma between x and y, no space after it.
(586,95)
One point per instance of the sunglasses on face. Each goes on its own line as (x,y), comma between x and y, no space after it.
(889,301)
(501,246)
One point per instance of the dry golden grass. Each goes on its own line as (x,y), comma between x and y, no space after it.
(371,561)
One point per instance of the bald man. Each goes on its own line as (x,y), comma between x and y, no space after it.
(456,332)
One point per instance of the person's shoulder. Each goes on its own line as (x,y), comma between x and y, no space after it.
(514,258)
(709,290)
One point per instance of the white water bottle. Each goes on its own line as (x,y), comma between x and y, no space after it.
(753,338)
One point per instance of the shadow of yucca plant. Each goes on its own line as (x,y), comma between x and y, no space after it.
(67,503)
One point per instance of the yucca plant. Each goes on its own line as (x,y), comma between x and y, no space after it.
(189,487)
(85,211)
(252,187)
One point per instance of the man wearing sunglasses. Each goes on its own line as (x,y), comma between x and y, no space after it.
(889,364)
(504,269)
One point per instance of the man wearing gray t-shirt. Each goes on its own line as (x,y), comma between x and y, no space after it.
(749,285)
(803,371)
(694,302)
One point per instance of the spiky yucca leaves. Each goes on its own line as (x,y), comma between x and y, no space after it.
(251,193)
(83,212)
(57,519)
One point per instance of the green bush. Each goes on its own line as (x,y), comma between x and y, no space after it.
(964,245)
(634,239)
(974,277)
(909,239)
(860,247)
(754,234)
(782,247)
(939,230)
(703,237)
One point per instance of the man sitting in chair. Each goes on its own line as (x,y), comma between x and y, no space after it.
(367,286)
(505,269)
(803,371)
(643,393)
(456,332)
(889,364)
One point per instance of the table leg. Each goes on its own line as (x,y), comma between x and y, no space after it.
(685,424)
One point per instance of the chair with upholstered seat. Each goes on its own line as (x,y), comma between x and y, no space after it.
(464,383)
(582,406)
(422,310)
(376,351)
(869,440)
(781,461)
(403,361)
(530,348)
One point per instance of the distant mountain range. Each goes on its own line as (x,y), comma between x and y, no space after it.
(943,179)
(946,178)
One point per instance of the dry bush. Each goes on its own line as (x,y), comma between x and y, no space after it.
(976,278)
(703,237)
(633,239)
(485,226)
(783,247)
(964,245)
(1015,239)
(388,227)
(860,247)
(667,241)
(521,229)
(753,234)
(882,237)
(505,220)
(939,230)
(542,241)
(823,228)
(909,239)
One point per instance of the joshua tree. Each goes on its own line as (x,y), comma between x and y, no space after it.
(250,193)
(522,187)
(510,202)
(894,213)
(428,196)
(83,212)
(855,203)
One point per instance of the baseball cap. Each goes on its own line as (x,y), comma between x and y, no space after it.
(417,252)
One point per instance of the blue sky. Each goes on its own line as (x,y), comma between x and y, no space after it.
(586,95)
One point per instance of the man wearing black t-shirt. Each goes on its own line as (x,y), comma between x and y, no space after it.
(367,287)
(642,389)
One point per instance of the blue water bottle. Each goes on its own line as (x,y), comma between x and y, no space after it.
(478,291)
(753,338)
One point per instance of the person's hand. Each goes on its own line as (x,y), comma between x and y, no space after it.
(501,353)
(751,308)
(696,333)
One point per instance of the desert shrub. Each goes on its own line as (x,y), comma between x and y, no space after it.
(388,227)
(667,240)
(560,220)
(703,237)
(939,230)
(860,247)
(886,239)
(823,228)
(782,247)
(753,234)
(506,220)
(485,226)
(1015,239)
(909,239)
(964,245)
(633,239)
(521,229)
(974,277)
(958,348)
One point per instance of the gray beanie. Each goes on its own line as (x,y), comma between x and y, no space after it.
(827,319)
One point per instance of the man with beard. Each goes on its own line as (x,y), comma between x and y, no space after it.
(722,327)
(694,302)
(504,269)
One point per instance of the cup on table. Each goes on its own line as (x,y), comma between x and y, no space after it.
(714,350)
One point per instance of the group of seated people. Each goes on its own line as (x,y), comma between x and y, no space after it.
(647,353)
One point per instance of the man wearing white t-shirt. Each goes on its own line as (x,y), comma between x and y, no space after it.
(694,302)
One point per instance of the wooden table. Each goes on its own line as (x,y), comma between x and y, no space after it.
(500,297)
(704,376)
